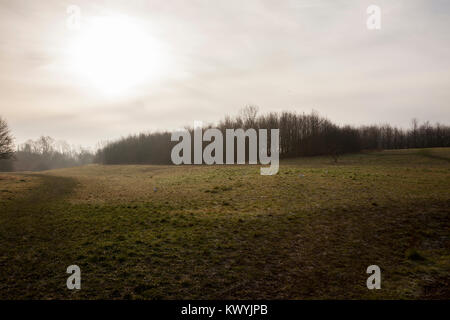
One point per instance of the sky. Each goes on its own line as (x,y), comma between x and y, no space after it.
(121,67)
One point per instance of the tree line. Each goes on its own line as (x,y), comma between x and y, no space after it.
(301,134)
(44,153)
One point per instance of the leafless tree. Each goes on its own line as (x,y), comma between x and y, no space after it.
(6,141)
(300,135)
(248,115)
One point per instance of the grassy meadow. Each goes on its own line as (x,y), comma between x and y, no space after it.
(226,232)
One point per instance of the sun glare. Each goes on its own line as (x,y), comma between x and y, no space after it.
(114,55)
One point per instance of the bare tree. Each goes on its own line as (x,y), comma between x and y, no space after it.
(414,132)
(300,135)
(248,115)
(6,141)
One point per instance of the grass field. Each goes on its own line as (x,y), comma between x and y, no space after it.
(217,232)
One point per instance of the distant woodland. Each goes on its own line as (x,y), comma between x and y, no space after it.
(301,135)
(45,153)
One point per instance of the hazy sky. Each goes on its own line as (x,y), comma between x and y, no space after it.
(163,64)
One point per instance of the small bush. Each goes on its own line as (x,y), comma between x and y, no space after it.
(413,254)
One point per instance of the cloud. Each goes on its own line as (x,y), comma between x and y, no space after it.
(295,55)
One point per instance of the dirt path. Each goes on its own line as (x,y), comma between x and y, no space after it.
(28,250)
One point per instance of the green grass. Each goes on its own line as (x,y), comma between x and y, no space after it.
(224,232)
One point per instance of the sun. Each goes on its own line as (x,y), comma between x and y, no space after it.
(114,55)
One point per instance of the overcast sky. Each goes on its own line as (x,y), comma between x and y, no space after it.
(210,58)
